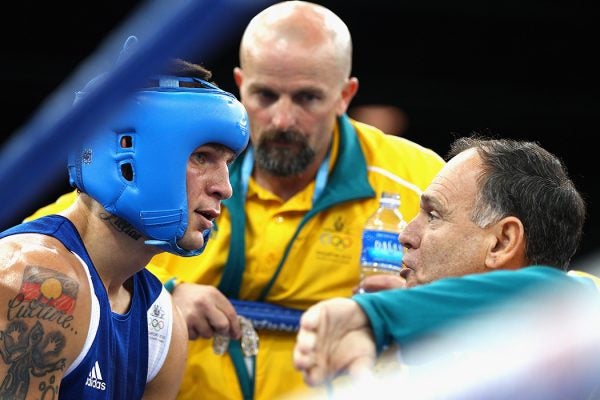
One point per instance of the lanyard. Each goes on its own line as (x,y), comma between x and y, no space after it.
(320,180)
(244,366)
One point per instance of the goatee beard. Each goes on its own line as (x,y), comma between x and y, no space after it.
(283,161)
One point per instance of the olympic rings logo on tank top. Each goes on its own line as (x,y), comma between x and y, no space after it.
(156,324)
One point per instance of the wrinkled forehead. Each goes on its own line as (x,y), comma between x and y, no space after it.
(457,181)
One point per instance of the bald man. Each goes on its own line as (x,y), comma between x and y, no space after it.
(291,233)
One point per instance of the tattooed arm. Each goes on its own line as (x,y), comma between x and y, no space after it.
(44,315)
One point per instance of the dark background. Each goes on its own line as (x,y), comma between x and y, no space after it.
(519,69)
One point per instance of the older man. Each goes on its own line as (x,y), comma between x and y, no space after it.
(501,220)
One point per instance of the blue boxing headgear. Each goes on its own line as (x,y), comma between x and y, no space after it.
(134,164)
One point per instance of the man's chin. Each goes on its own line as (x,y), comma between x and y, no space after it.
(192,244)
(409,277)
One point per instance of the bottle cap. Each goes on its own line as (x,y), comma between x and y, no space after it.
(390,195)
(390,198)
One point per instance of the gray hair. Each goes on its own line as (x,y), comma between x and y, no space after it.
(524,180)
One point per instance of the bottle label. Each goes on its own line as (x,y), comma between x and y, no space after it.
(381,248)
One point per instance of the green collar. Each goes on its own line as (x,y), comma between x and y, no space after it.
(350,167)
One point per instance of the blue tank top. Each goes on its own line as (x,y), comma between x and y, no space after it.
(122,352)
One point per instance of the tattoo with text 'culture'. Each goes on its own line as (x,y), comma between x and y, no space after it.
(46,295)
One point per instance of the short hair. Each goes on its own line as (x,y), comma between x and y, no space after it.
(179,67)
(524,180)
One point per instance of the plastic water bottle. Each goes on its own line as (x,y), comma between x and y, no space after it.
(381,250)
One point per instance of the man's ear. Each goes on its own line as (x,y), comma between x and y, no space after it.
(507,247)
(237,76)
(349,90)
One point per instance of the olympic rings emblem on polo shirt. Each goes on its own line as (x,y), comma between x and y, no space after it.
(335,240)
